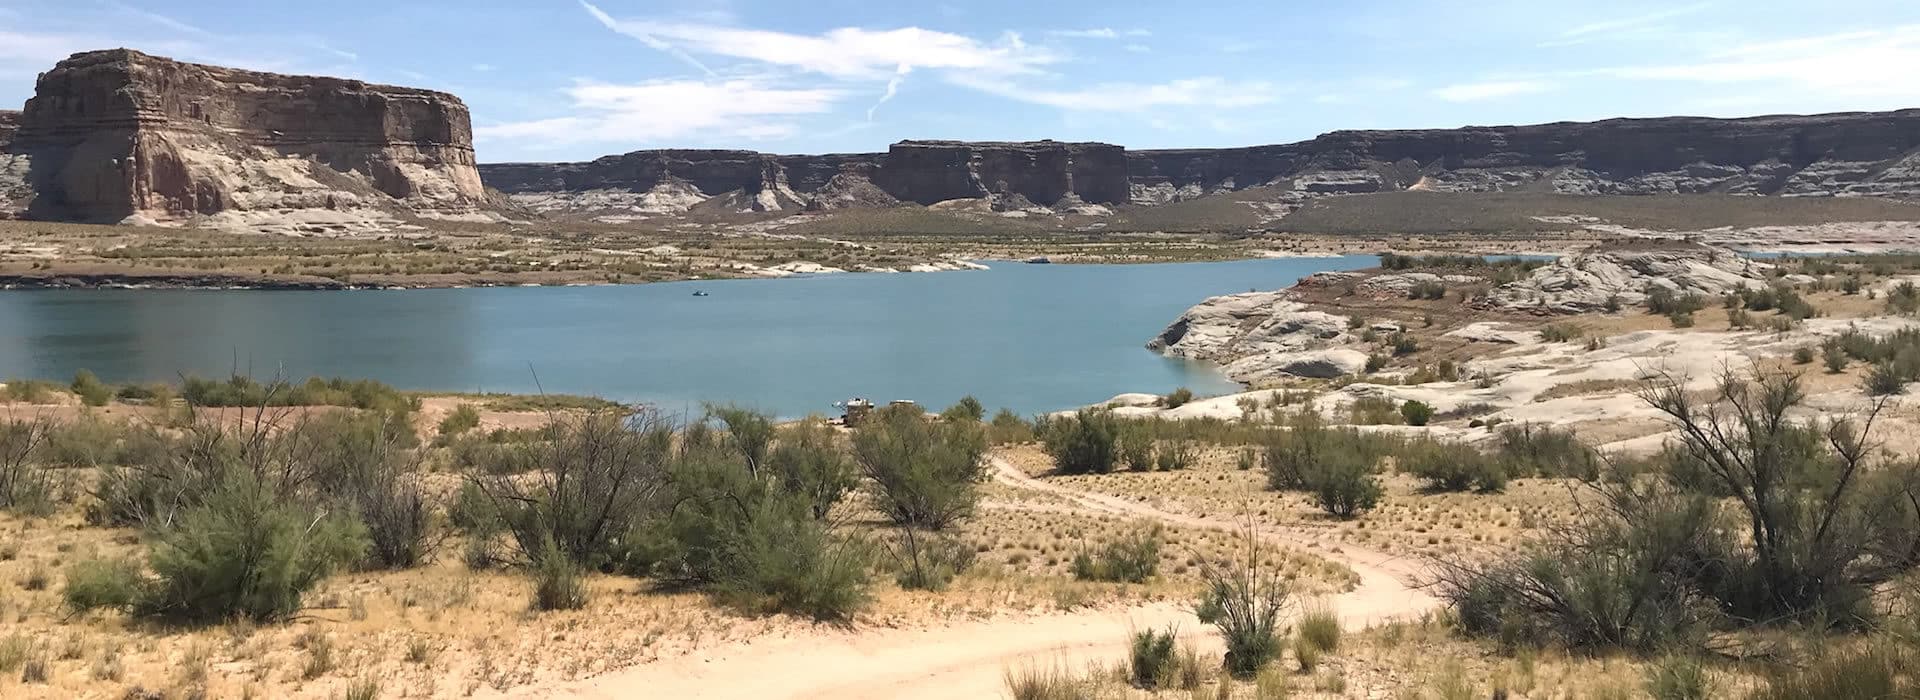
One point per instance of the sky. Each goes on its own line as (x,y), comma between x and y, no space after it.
(560,80)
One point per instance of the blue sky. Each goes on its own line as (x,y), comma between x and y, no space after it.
(567,80)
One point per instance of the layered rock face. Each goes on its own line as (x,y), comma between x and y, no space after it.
(1848,154)
(14,192)
(117,134)
(1044,173)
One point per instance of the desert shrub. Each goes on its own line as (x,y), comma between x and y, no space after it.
(159,473)
(1739,318)
(1903,299)
(90,389)
(1561,332)
(1084,443)
(1008,428)
(1179,397)
(1452,466)
(1373,410)
(88,440)
(363,465)
(1665,301)
(750,433)
(1754,517)
(599,477)
(94,584)
(1403,344)
(1174,455)
(1885,379)
(926,474)
(1679,677)
(473,510)
(1876,672)
(779,560)
(1680,320)
(1320,628)
(1803,355)
(1416,412)
(246,392)
(966,409)
(808,460)
(245,552)
(27,391)
(1346,486)
(463,418)
(558,582)
(1135,445)
(1244,600)
(1151,664)
(1427,290)
(1131,559)
(1534,449)
(1376,362)
(24,483)
(1301,457)
(1834,357)
(929,562)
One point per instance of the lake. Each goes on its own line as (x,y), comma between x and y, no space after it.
(1027,337)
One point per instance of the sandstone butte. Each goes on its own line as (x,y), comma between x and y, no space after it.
(119,134)
(110,135)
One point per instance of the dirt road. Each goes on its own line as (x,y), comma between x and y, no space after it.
(969,660)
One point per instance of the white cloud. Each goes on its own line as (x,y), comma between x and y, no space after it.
(1138,48)
(1474,92)
(1098,33)
(1872,63)
(667,110)
(848,52)
(1129,97)
(893,88)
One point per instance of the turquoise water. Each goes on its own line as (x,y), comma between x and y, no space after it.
(1027,337)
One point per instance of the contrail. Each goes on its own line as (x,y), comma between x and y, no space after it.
(648,39)
(893,87)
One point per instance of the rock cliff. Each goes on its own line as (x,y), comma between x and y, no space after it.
(1262,335)
(1846,154)
(115,134)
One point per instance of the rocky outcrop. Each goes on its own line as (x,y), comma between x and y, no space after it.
(1847,154)
(116,134)
(1259,336)
(1615,276)
(14,191)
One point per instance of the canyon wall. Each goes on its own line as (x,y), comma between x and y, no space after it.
(115,134)
(1846,154)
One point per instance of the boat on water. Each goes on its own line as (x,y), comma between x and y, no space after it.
(701,293)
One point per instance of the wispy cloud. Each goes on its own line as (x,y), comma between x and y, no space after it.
(848,52)
(663,111)
(157,19)
(1489,90)
(1133,97)
(1098,33)
(645,38)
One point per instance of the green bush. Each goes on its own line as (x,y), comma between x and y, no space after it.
(1374,410)
(1561,332)
(1174,455)
(1679,677)
(1320,628)
(1135,445)
(967,409)
(780,562)
(1131,559)
(463,418)
(1666,301)
(1084,443)
(1427,290)
(90,389)
(1885,379)
(1151,664)
(1452,466)
(600,476)
(1346,486)
(27,391)
(246,392)
(1179,397)
(1403,344)
(1803,355)
(1533,449)
(25,484)
(930,562)
(810,461)
(1244,600)
(558,583)
(1008,428)
(925,474)
(1416,413)
(245,552)
(95,584)
(1883,671)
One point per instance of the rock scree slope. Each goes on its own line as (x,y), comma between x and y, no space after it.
(119,133)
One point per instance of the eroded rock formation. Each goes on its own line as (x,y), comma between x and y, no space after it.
(115,134)
(1616,276)
(1847,154)
(1259,336)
